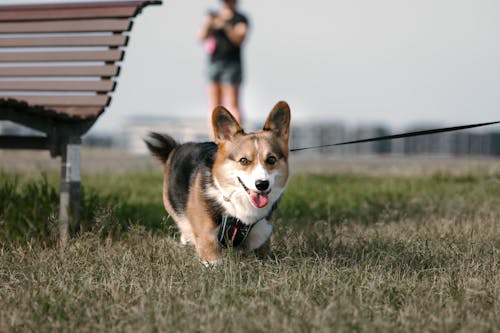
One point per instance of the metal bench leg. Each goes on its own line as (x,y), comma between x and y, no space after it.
(69,204)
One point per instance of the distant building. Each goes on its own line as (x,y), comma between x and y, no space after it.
(302,135)
(182,130)
(318,134)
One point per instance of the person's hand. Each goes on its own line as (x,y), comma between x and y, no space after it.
(218,23)
(209,21)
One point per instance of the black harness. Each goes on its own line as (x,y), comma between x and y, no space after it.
(233,232)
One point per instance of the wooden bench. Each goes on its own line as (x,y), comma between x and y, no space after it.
(58,65)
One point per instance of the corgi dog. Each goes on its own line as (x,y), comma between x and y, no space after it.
(223,193)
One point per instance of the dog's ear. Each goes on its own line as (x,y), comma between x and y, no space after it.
(278,120)
(224,124)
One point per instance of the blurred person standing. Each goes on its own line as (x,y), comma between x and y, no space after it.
(223,33)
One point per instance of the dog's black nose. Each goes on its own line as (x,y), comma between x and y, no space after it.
(262,185)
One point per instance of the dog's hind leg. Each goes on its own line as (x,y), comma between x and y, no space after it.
(187,236)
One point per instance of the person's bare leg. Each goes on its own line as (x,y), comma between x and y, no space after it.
(230,96)
(214,96)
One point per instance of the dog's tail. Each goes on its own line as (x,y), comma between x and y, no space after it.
(160,145)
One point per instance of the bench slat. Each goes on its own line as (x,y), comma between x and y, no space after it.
(110,55)
(104,25)
(51,14)
(62,100)
(102,5)
(111,40)
(54,71)
(99,86)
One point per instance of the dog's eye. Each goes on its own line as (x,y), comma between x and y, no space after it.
(271,160)
(244,161)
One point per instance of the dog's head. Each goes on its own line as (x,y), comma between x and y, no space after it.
(252,167)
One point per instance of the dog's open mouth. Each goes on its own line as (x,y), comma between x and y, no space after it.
(258,199)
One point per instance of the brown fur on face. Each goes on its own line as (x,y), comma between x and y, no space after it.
(234,144)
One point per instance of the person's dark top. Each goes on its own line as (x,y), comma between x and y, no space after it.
(225,50)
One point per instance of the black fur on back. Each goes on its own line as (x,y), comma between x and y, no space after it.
(160,145)
(187,161)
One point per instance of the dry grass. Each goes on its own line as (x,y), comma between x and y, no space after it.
(105,160)
(353,251)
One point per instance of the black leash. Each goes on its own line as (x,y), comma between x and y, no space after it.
(402,135)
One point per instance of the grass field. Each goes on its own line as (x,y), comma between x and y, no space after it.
(352,251)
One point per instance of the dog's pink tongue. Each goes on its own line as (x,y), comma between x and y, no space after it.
(259,200)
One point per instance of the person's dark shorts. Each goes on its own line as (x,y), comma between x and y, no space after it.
(225,72)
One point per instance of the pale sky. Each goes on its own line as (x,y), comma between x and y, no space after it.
(392,62)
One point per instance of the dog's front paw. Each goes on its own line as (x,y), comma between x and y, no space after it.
(209,254)
(212,263)
(260,233)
